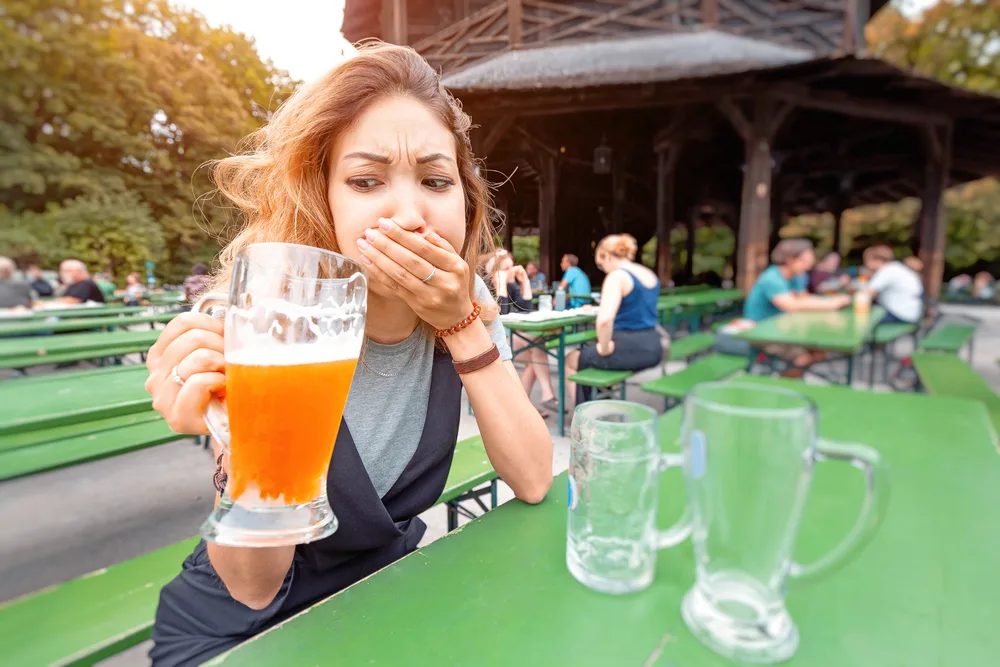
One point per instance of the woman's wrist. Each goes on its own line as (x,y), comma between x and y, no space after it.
(470,342)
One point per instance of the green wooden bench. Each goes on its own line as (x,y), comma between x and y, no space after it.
(575,338)
(882,339)
(470,469)
(33,403)
(30,327)
(949,337)
(714,367)
(103,613)
(944,374)
(19,353)
(604,382)
(690,346)
(37,451)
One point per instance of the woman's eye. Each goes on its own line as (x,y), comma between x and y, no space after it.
(363,183)
(438,183)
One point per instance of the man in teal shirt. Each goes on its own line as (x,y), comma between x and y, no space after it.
(776,291)
(574,280)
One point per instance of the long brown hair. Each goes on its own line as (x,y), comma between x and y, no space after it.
(279,180)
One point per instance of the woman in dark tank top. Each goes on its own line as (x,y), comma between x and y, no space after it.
(372,161)
(627,338)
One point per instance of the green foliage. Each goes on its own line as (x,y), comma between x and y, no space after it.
(525,249)
(108,111)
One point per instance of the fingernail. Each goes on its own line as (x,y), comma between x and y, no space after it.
(363,244)
(371,234)
(385,224)
(366,260)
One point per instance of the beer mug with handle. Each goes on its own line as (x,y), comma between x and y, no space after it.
(614,474)
(749,452)
(294,327)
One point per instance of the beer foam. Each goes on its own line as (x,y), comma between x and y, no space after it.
(292,355)
(278,333)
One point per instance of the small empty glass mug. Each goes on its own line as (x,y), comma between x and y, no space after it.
(614,470)
(749,452)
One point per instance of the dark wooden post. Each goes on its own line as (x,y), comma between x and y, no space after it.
(508,225)
(777,214)
(619,184)
(394,21)
(548,184)
(692,233)
(666,163)
(710,13)
(933,220)
(838,224)
(755,202)
(515,13)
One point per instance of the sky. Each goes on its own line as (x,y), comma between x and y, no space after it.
(303,36)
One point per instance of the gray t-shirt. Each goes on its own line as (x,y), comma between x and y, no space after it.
(386,414)
(14,293)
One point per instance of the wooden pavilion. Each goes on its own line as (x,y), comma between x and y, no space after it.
(639,115)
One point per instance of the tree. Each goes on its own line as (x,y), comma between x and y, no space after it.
(115,107)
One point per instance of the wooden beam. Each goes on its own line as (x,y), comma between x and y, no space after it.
(933,220)
(498,128)
(710,13)
(666,166)
(394,21)
(548,188)
(812,98)
(692,233)
(736,116)
(515,24)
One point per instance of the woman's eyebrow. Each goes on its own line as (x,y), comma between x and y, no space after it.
(433,157)
(371,157)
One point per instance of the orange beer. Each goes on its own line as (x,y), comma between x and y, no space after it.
(283,421)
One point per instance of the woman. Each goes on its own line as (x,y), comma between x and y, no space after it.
(824,277)
(627,338)
(513,289)
(372,161)
(133,289)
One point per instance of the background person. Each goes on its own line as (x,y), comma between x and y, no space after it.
(134,289)
(41,286)
(539,281)
(79,287)
(13,293)
(574,280)
(895,286)
(627,338)
(774,293)
(197,283)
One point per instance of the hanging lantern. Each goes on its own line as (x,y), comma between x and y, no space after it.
(602,158)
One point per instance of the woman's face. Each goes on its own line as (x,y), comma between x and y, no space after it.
(506,264)
(398,161)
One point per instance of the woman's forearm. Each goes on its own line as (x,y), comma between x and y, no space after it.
(605,329)
(515,436)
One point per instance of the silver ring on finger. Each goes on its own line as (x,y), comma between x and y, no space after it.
(175,377)
(428,278)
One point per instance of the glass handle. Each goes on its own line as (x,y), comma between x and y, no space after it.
(681,530)
(870,462)
(216,418)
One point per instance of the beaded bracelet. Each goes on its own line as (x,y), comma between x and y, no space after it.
(476,310)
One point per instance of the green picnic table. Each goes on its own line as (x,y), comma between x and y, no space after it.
(35,326)
(683,289)
(497,592)
(839,331)
(536,333)
(19,353)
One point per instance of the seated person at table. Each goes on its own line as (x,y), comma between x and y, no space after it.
(537,278)
(134,289)
(38,282)
(895,286)
(373,161)
(984,287)
(774,293)
(513,290)
(13,293)
(197,283)
(627,338)
(79,287)
(825,277)
(574,281)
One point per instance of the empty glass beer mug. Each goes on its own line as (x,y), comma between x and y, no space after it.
(749,453)
(614,470)
(294,327)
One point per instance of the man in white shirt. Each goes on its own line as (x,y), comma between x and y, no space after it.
(896,286)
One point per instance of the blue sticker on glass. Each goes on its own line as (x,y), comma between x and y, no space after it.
(696,454)
(572,499)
